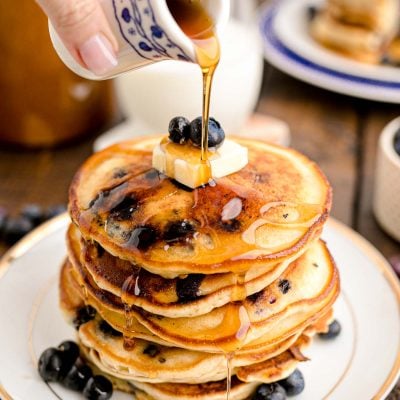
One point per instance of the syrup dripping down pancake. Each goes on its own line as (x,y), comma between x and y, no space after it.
(152,363)
(307,288)
(193,295)
(264,214)
(271,370)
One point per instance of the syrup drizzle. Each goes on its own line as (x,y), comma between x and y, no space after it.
(130,285)
(198,26)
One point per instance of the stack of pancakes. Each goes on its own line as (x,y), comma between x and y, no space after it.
(360,29)
(194,286)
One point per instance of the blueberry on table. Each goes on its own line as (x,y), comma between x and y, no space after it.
(179,130)
(271,391)
(312,12)
(216,134)
(98,388)
(54,211)
(77,377)
(395,263)
(294,383)
(70,352)
(15,228)
(396,142)
(83,315)
(34,213)
(51,365)
(333,331)
(3,219)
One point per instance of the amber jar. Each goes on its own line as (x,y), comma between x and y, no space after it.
(42,103)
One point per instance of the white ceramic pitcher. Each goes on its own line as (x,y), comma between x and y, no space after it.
(146,33)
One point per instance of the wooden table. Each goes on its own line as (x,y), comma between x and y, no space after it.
(340,133)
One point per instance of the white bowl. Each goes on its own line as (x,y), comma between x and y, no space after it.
(387,182)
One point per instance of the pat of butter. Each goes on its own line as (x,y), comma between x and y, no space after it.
(183,162)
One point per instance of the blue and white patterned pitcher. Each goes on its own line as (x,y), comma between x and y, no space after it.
(146,32)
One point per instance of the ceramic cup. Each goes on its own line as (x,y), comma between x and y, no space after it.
(146,33)
(387,182)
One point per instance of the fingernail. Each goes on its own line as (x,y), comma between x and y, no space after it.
(98,55)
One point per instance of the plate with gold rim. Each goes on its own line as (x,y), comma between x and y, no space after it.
(362,363)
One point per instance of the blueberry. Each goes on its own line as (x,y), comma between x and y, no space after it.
(143,237)
(51,365)
(34,213)
(232,225)
(187,289)
(54,211)
(284,286)
(396,142)
(83,315)
(395,263)
(77,377)
(178,230)
(293,384)
(123,210)
(333,331)
(3,219)
(271,391)
(179,130)
(15,228)
(70,352)
(98,388)
(312,12)
(216,134)
(152,350)
(107,329)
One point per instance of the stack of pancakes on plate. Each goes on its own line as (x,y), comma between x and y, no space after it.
(360,29)
(193,286)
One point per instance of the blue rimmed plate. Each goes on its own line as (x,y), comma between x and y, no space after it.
(289,47)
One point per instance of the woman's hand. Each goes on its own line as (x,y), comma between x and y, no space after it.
(83,27)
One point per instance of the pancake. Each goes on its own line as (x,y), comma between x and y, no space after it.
(352,41)
(393,53)
(381,16)
(306,290)
(244,382)
(256,351)
(262,215)
(193,295)
(148,362)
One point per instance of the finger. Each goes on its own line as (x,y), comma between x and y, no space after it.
(84,29)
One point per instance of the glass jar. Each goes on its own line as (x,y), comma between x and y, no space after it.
(42,103)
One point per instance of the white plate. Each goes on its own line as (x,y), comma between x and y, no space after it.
(362,363)
(289,47)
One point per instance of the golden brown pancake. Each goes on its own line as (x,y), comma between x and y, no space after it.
(244,382)
(193,295)
(306,290)
(351,41)
(381,16)
(265,213)
(152,363)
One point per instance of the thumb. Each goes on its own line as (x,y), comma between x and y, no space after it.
(84,29)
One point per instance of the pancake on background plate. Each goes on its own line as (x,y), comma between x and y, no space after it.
(359,29)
